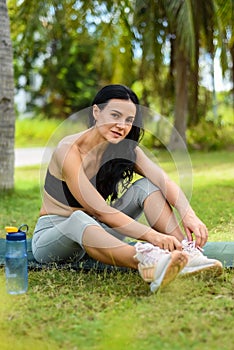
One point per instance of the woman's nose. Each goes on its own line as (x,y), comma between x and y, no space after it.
(120,125)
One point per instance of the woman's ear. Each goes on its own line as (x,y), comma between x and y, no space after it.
(96,111)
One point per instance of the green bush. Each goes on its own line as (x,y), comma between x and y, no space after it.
(207,135)
(210,136)
(34,132)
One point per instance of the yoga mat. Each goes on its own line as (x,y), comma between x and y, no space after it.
(86,263)
(222,251)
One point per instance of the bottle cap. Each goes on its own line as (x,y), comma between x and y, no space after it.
(16,236)
(11,229)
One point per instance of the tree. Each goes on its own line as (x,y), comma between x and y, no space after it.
(114,41)
(55,52)
(225,13)
(161,23)
(7,116)
(188,26)
(151,31)
(188,19)
(77,46)
(181,21)
(73,47)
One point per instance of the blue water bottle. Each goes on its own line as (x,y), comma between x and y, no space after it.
(16,260)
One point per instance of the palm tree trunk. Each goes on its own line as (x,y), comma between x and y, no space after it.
(214,98)
(194,82)
(7,116)
(178,135)
(232,58)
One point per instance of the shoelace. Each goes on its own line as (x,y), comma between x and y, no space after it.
(189,247)
(150,253)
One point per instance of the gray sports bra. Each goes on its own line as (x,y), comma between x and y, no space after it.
(59,190)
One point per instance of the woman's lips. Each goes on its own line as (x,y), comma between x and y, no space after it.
(116,134)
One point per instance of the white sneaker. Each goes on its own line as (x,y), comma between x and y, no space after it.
(158,266)
(199,263)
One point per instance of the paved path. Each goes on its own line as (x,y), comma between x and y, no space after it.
(32,156)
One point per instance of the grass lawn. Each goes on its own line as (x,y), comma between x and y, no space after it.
(71,310)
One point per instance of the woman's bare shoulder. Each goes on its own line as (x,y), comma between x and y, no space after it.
(65,146)
(69,140)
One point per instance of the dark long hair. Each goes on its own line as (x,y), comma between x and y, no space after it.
(118,160)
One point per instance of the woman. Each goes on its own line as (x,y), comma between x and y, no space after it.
(90,203)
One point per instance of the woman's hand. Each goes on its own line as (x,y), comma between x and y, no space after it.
(193,226)
(162,241)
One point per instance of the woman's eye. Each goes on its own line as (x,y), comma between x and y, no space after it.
(130,120)
(114,115)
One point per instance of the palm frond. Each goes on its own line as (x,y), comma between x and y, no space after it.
(181,20)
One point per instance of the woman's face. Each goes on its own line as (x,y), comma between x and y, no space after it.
(115,120)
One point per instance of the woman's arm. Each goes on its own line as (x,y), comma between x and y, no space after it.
(174,195)
(94,204)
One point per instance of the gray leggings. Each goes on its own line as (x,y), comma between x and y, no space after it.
(59,238)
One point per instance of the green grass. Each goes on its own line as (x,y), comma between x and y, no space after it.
(34,132)
(78,310)
(21,205)
(38,132)
(212,190)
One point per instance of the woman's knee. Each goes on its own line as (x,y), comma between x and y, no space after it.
(143,188)
(145,185)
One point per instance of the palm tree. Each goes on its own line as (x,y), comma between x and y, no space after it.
(73,47)
(181,23)
(191,25)
(150,33)
(225,13)
(7,116)
(190,19)
(171,21)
